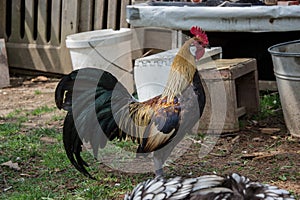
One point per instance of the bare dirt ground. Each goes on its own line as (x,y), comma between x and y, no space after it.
(27,94)
(255,151)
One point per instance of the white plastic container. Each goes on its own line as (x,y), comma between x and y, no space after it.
(107,49)
(151,72)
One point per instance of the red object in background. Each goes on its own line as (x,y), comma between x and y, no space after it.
(196,1)
(287,3)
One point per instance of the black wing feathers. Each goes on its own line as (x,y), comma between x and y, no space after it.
(199,92)
(86,95)
(167,119)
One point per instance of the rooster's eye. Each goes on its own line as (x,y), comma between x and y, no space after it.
(193,50)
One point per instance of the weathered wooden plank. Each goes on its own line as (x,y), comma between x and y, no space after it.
(247,91)
(37,57)
(241,111)
(69,25)
(243,68)
(230,68)
(86,15)
(3,19)
(15,21)
(217,104)
(99,14)
(160,38)
(123,22)
(55,38)
(231,123)
(112,14)
(29,21)
(70,20)
(41,56)
(4,73)
(48,52)
(267,85)
(42,22)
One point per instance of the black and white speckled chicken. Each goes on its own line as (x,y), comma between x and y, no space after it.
(207,187)
(100,109)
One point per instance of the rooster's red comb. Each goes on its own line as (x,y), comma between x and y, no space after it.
(200,34)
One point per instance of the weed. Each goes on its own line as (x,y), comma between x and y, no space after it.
(8,129)
(13,114)
(269,105)
(57,117)
(282,177)
(37,92)
(42,110)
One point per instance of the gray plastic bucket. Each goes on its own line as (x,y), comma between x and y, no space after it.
(286,61)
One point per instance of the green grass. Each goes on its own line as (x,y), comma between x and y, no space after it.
(57,117)
(14,114)
(46,173)
(37,92)
(9,128)
(42,110)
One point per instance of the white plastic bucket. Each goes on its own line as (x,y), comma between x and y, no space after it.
(151,72)
(107,49)
(286,61)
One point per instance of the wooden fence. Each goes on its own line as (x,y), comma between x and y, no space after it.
(35,30)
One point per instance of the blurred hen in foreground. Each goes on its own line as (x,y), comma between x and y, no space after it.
(207,187)
(101,109)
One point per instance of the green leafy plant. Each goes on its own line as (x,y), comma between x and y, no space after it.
(269,104)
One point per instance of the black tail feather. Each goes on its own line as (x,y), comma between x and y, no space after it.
(86,95)
(73,145)
(71,140)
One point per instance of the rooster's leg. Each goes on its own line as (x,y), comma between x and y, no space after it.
(158,164)
(159,158)
(161,155)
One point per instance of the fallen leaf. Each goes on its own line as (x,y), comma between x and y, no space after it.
(25,175)
(235,139)
(274,137)
(257,139)
(11,165)
(48,140)
(8,188)
(40,79)
(269,130)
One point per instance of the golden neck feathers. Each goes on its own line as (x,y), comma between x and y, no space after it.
(182,72)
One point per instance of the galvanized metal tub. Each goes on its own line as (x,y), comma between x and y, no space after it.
(286,62)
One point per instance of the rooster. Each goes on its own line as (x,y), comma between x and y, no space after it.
(101,109)
(207,187)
